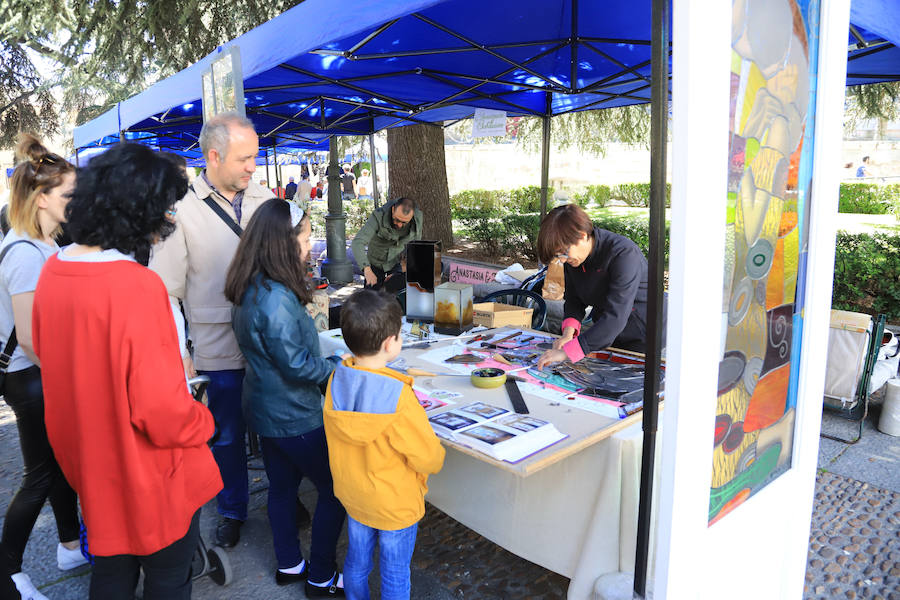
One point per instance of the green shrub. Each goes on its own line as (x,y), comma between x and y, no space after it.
(637,195)
(519,236)
(866,272)
(634,227)
(863,198)
(527,199)
(472,203)
(355,211)
(598,194)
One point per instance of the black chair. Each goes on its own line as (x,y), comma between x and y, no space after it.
(525,299)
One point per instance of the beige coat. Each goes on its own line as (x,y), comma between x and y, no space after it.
(193,262)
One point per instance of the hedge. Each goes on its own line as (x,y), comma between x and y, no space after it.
(866,268)
(867,274)
(869,198)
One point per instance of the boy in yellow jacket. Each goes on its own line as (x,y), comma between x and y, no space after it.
(380,446)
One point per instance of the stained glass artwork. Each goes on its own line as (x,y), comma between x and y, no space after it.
(773,76)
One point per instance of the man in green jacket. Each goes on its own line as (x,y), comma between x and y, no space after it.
(379,247)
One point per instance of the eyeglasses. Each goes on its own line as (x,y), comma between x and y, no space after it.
(400,223)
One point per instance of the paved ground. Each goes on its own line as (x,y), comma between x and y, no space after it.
(854,545)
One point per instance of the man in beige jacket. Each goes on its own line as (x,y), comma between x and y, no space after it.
(192,263)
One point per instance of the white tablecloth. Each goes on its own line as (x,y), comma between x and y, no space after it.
(576,517)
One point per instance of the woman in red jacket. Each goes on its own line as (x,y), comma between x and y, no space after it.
(126,431)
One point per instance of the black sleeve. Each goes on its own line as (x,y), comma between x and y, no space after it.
(610,314)
(573,307)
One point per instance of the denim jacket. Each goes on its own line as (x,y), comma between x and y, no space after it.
(282,395)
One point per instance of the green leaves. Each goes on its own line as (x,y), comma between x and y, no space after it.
(869,198)
(866,273)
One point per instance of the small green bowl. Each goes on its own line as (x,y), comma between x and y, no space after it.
(488,378)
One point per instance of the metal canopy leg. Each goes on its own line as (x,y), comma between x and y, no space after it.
(658,123)
(545,154)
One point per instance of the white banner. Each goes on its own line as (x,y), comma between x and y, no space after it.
(489,123)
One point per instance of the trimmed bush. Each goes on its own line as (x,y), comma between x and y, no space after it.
(869,198)
(866,274)
(598,194)
(634,227)
(637,195)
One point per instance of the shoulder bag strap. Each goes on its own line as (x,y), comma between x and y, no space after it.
(12,342)
(220,212)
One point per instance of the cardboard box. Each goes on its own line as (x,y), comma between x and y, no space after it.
(492,314)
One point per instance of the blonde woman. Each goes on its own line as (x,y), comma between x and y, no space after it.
(42,185)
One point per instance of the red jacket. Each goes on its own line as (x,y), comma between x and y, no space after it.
(125,430)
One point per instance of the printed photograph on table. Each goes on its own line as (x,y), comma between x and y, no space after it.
(489,435)
(773,75)
(452,421)
(485,411)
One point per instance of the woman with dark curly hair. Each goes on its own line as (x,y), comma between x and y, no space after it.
(41,187)
(128,434)
(268,286)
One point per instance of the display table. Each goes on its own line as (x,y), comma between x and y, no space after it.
(571,508)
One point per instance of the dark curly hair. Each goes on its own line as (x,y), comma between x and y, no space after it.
(121,199)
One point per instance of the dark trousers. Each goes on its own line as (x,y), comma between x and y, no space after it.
(391,281)
(167,572)
(229,449)
(42,477)
(288,461)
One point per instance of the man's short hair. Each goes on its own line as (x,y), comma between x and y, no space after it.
(346,168)
(405,204)
(369,317)
(216,133)
(865,159)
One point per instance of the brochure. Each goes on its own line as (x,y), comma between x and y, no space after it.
(500,434)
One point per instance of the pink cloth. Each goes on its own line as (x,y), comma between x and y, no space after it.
(570,322)
(573,350)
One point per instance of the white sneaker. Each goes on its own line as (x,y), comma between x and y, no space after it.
(69,559)
(26,588)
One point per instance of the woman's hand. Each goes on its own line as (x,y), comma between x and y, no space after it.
(551,356)
(567,336)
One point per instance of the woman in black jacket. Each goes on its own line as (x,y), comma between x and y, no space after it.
(603,270)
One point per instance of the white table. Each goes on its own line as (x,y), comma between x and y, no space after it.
(571,508)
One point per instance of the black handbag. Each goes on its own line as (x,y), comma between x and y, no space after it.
(12,342)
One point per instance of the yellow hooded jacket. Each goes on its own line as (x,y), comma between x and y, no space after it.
(380,446)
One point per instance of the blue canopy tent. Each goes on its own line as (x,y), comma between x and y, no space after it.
(429,61)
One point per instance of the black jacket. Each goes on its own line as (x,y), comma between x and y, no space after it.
(613,280)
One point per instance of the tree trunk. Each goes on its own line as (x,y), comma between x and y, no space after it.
(418,170)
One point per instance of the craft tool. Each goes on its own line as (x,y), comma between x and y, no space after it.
(424,343)
(515,397)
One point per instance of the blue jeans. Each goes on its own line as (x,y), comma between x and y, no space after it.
(287,461)
(229,450)
(395,552)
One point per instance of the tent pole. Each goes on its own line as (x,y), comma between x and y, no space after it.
(336,268)
(267,167)
(659,114)
(374,172)
(545,153)
(76,158)
(275,164)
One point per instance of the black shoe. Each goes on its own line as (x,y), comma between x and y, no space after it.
(228,532)
(314,591)
(304,519)
(282,578)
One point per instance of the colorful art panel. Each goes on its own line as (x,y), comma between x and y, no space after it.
(773,75)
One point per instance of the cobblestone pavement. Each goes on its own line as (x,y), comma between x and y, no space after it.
(854,548)
(854,544)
